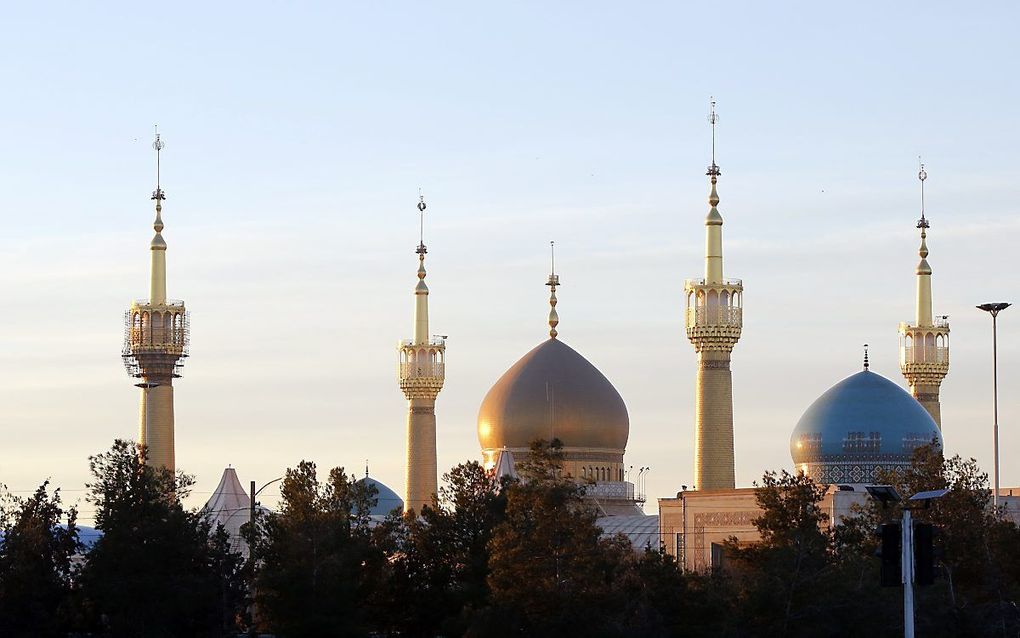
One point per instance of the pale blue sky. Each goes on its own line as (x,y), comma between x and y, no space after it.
(297,138)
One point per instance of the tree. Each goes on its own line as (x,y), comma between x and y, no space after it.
(36,564)
(802,579)
(157,570)
(440,559)
(978,548)
(552,574)
(321,570)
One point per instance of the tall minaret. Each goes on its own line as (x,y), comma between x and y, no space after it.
(421,372)
(713,319)
(924,344)
(155,345)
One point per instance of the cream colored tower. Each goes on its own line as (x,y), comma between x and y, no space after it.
(421,372)
(155,346)
(924,344)
(713,320)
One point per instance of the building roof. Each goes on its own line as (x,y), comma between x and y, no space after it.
(386,499)
(641,530)
(553,392)
(230,507)
(863,416)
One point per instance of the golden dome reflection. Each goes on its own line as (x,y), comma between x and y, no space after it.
(554,392)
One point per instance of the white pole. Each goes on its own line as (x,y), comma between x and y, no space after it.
(907,561)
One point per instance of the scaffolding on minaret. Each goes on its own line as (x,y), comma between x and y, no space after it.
(156,343)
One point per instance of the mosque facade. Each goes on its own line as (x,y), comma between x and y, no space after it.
(861,427)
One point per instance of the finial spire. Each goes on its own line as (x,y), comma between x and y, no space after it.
(865,356)
(421,226)
(158,145)
(157,274)
(366,468)
(713,117)
(922,175)
(554,280)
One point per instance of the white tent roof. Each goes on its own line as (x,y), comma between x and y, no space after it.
(230,507)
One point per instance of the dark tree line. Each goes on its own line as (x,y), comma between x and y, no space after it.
(491,558)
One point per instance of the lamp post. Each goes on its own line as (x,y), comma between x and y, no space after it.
(886,494)
(994,309)
(251,545)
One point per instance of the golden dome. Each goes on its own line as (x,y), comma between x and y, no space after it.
(553,392)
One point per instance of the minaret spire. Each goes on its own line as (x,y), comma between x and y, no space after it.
(156,343)
(924,344)
(421,291)
(714,221)
(714,321)
(157,280)
(554,280)
(421,371)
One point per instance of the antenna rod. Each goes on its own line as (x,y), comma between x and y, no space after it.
(713,118)
(922,175)
(158,145)
(552,254)
(421,224)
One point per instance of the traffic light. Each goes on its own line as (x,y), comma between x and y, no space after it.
(924,553)
(890,551)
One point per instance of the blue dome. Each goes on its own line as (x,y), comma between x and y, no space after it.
(859,427)
(386,499)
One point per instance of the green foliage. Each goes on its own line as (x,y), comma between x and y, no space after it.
(157,570)
(802,579)
(440,559)
(321,568)
(35,564)
(551,572)
(980,559)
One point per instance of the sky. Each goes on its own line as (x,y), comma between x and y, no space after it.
(297,137)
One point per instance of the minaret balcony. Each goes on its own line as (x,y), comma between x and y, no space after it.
(422,365)
(155,329)
(925,349)
(714,310)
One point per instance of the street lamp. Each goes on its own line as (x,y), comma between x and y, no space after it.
(994,309)
(251,544)
(887,494)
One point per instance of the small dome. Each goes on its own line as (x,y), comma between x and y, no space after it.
(386,499)
(553,392)
(862,425)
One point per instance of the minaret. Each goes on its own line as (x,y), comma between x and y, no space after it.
(713,320)
(421,372)
(924,344)
(155,345)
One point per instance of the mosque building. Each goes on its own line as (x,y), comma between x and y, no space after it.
(553,392)
(858,429)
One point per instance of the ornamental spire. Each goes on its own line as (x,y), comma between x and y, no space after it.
(924,311)
(714,221)
(554,280)
(421,291)
(157,280)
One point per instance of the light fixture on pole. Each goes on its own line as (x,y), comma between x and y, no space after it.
(887,494)
(994,309)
